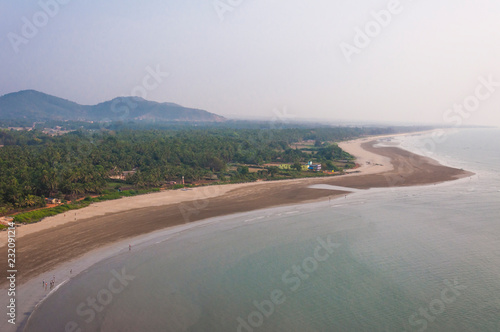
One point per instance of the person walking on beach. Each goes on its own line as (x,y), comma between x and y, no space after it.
(43,283)
(129,247)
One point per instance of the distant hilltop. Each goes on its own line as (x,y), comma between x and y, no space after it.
(33,105)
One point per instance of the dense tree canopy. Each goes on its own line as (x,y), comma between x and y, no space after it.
(34,165)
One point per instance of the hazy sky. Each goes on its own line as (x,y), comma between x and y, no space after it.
(422,61)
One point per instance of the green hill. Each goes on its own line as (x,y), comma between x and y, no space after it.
(37,106)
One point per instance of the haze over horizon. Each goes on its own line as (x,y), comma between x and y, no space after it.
(386,61)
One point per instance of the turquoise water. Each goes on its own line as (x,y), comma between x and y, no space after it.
(406,259)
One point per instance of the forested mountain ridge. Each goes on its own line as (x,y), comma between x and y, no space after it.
(37,106)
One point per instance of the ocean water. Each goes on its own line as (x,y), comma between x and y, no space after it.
(406,259)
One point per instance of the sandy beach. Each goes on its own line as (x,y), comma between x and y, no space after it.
(44,245)
(370,163)
(193,194)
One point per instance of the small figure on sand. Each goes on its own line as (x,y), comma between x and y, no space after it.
(129,247)
(43,283)
(70,271)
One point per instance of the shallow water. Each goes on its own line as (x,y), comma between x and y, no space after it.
(404,259)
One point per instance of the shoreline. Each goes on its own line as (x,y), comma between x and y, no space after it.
(179,196)
(192,194)
(211,201)
(70,244)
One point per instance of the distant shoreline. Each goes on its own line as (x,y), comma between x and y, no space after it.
(194,194)
(43,246)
